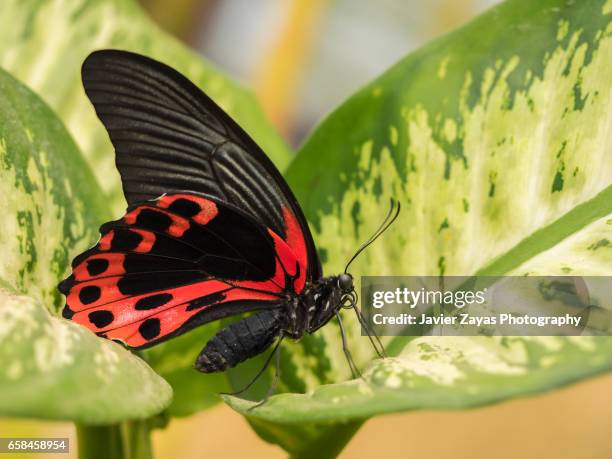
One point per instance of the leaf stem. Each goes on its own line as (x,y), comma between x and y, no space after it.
(128,440)
(137,440)
(99,442)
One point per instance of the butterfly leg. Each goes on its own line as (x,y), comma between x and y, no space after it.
(260,372)
(354,370)
(372,336)
(274,384)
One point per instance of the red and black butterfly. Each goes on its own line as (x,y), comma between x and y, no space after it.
(212,229)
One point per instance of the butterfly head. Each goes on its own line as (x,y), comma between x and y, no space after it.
(345,283)
(348,295)
(331,294)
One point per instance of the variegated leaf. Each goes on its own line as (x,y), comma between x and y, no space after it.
(51,208)
(495,140)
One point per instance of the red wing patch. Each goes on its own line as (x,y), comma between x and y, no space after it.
(296,247)
(176,261)
(207,208)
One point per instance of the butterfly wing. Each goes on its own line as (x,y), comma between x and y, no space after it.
(168,135)
(174,263)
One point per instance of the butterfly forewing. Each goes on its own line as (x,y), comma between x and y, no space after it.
(169,135)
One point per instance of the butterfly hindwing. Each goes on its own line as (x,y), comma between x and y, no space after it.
(169,135)
(177,262)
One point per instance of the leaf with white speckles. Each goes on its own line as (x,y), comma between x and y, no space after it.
(495,139)
(51,208)
(443,373)
(47,218)
(55,369)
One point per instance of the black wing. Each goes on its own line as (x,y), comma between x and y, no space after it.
(168,136)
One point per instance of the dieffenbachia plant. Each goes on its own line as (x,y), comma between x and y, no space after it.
(493,137)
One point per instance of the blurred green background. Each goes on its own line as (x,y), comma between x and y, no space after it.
(304,57)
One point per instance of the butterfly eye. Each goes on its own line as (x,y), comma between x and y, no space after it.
(345,282)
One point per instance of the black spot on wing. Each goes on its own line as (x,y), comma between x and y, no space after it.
(89,294)
(153,220)
(205,301)
(125,240)
(184,207)
(138,284)
(153,301)
(66,285)
(67,313)
(97,266)
(150,328)
(101,318)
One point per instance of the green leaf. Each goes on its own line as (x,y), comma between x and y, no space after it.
(56,369)
(443,373)
(48,215)
(44,44)
(51,208)
(494,140)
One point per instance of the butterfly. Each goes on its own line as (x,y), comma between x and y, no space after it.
(212,229)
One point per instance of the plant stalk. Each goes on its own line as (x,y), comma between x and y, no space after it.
(127,440)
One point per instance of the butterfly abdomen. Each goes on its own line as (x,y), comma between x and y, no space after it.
(239,341)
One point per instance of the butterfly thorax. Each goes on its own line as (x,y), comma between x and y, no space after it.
(314,307)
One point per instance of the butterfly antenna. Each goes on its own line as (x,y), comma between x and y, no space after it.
(387,222)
